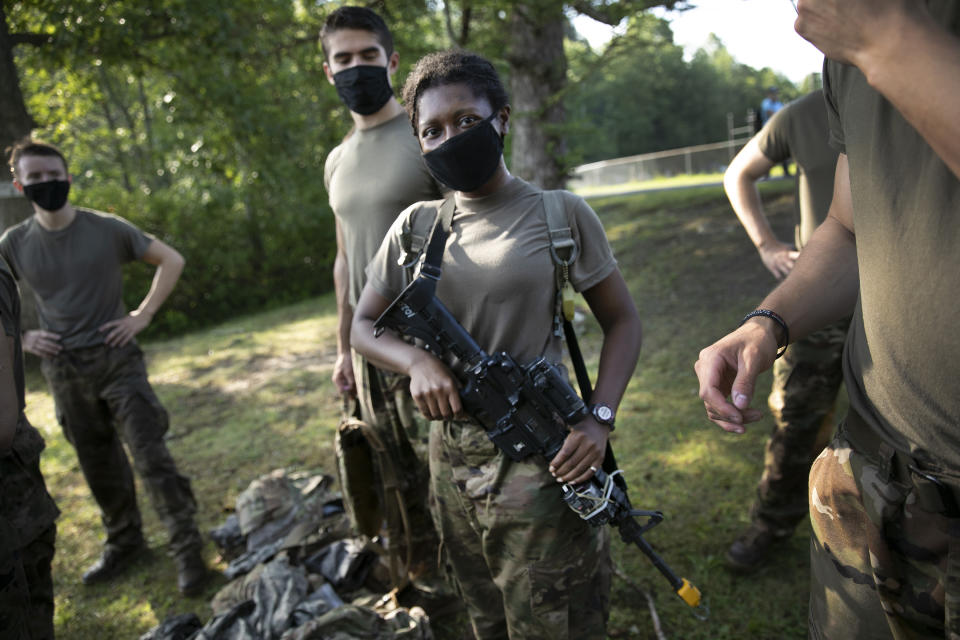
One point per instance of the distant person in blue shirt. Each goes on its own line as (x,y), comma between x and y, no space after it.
(770,105)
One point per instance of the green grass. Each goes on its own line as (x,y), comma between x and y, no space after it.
(254,394)
(664,182)
(244,398)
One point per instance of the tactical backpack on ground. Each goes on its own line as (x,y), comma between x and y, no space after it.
(300,575)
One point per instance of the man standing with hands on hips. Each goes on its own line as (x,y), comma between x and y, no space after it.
(885,493)
(72,259)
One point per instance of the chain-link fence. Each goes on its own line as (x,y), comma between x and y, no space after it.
(704,159)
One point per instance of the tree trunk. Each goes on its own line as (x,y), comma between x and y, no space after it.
(15,122)
(538,75)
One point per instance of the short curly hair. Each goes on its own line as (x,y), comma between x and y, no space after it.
(453,67)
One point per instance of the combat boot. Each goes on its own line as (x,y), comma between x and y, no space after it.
(192,572)
(112,562)
(749,552)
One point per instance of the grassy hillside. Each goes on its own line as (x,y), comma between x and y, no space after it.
(254,394)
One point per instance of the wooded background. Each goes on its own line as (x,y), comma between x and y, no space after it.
(207,122)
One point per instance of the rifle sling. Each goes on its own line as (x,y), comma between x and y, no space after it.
(432,262)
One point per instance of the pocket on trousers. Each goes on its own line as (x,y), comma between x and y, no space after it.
(549,600)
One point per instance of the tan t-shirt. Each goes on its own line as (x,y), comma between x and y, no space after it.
(498,276)
(371,177)
(902,360)
(800,130)
(75,272)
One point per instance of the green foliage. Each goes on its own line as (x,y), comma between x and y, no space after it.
(640,95)
(207,128)
(207,123)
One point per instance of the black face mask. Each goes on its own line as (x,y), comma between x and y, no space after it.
(50,195)
(467,161)
(364,89)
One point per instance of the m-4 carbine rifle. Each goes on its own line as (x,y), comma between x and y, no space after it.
(526,411)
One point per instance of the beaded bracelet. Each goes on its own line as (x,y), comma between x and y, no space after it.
(766,313)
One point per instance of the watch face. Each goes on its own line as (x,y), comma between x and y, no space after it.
(603,413)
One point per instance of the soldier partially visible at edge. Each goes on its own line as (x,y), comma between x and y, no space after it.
(808,377)
(28,514)
(373,175)
(72,258)
(884,505)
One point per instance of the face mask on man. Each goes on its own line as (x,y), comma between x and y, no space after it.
(50,195)
(467,161)
(364,88)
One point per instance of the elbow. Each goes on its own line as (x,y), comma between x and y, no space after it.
(636,334)
(171,262)
(729,182)
(734,179)
(632,330)
(340,272)
(626,332)
(361,329)
(177,261)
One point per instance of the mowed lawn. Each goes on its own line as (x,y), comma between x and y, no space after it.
(254,394)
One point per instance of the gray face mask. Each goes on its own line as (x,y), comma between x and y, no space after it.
(50,195)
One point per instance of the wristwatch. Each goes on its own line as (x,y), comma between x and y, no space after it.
(603,414)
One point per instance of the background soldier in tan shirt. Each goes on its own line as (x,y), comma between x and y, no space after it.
(72,258)
(373,175)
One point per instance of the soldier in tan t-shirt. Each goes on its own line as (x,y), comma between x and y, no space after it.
(885,493)
(373,175)
(72,259)
(526,565)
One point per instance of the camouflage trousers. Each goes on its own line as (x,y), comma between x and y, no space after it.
(26,588)
(103,399)
(27,536)
(882,565)
(805,385)
(526,565)
(386,405)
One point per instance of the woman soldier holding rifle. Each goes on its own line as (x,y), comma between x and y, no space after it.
(527,566)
